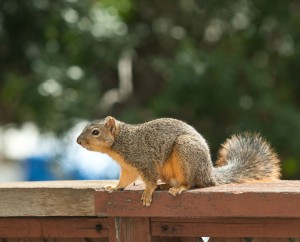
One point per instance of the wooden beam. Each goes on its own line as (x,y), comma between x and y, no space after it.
(53,228)
(226,227)
(132,229)
(46,202)
(276,199)
(55,198)
(87,198)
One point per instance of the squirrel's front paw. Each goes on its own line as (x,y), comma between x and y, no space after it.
(146,198)
(110,188)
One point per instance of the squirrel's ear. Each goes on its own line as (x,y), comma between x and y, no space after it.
(110,123)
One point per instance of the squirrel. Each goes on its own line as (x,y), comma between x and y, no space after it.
(173,151)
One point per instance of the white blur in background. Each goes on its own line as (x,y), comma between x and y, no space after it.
(25,154)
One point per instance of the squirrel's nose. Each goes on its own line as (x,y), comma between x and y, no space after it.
(78,141)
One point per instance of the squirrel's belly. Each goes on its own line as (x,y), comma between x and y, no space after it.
(172,171)
(173,182)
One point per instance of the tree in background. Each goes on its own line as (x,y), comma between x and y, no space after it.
(222,66)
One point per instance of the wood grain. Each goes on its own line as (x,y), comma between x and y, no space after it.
(276,199)
(53,228)
(59,198)
(87,198)
(129,229)
(226,227)
(83,211)
(46,202)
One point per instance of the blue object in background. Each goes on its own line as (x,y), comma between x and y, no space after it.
(37,168)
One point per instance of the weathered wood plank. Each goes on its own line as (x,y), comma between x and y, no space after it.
(53,228)
(54,240)
(87,198)
(226,227)
(113,233)
(274,240)
(59,198)
(229,240)
(129,229)
(276,199)
(176,239)
(46,202)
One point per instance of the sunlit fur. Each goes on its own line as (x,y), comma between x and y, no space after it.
(246,157)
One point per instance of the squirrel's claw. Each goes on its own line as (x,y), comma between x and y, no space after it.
(147,199)
(174,191)
(111,188)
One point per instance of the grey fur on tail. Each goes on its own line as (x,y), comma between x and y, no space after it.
(246,157)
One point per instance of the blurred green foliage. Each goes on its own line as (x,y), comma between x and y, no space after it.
(222,66)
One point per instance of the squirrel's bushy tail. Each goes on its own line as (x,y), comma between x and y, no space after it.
(246,157)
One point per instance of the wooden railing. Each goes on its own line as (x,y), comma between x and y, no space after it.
(82,211)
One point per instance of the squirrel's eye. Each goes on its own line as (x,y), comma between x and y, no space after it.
(95,132)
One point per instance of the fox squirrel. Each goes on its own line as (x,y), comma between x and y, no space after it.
(173,151)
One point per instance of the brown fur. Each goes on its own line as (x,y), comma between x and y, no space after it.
(128,173)
(172,170)
(221,161)
(175,152)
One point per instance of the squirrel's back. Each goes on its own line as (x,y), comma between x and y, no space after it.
(153,140)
